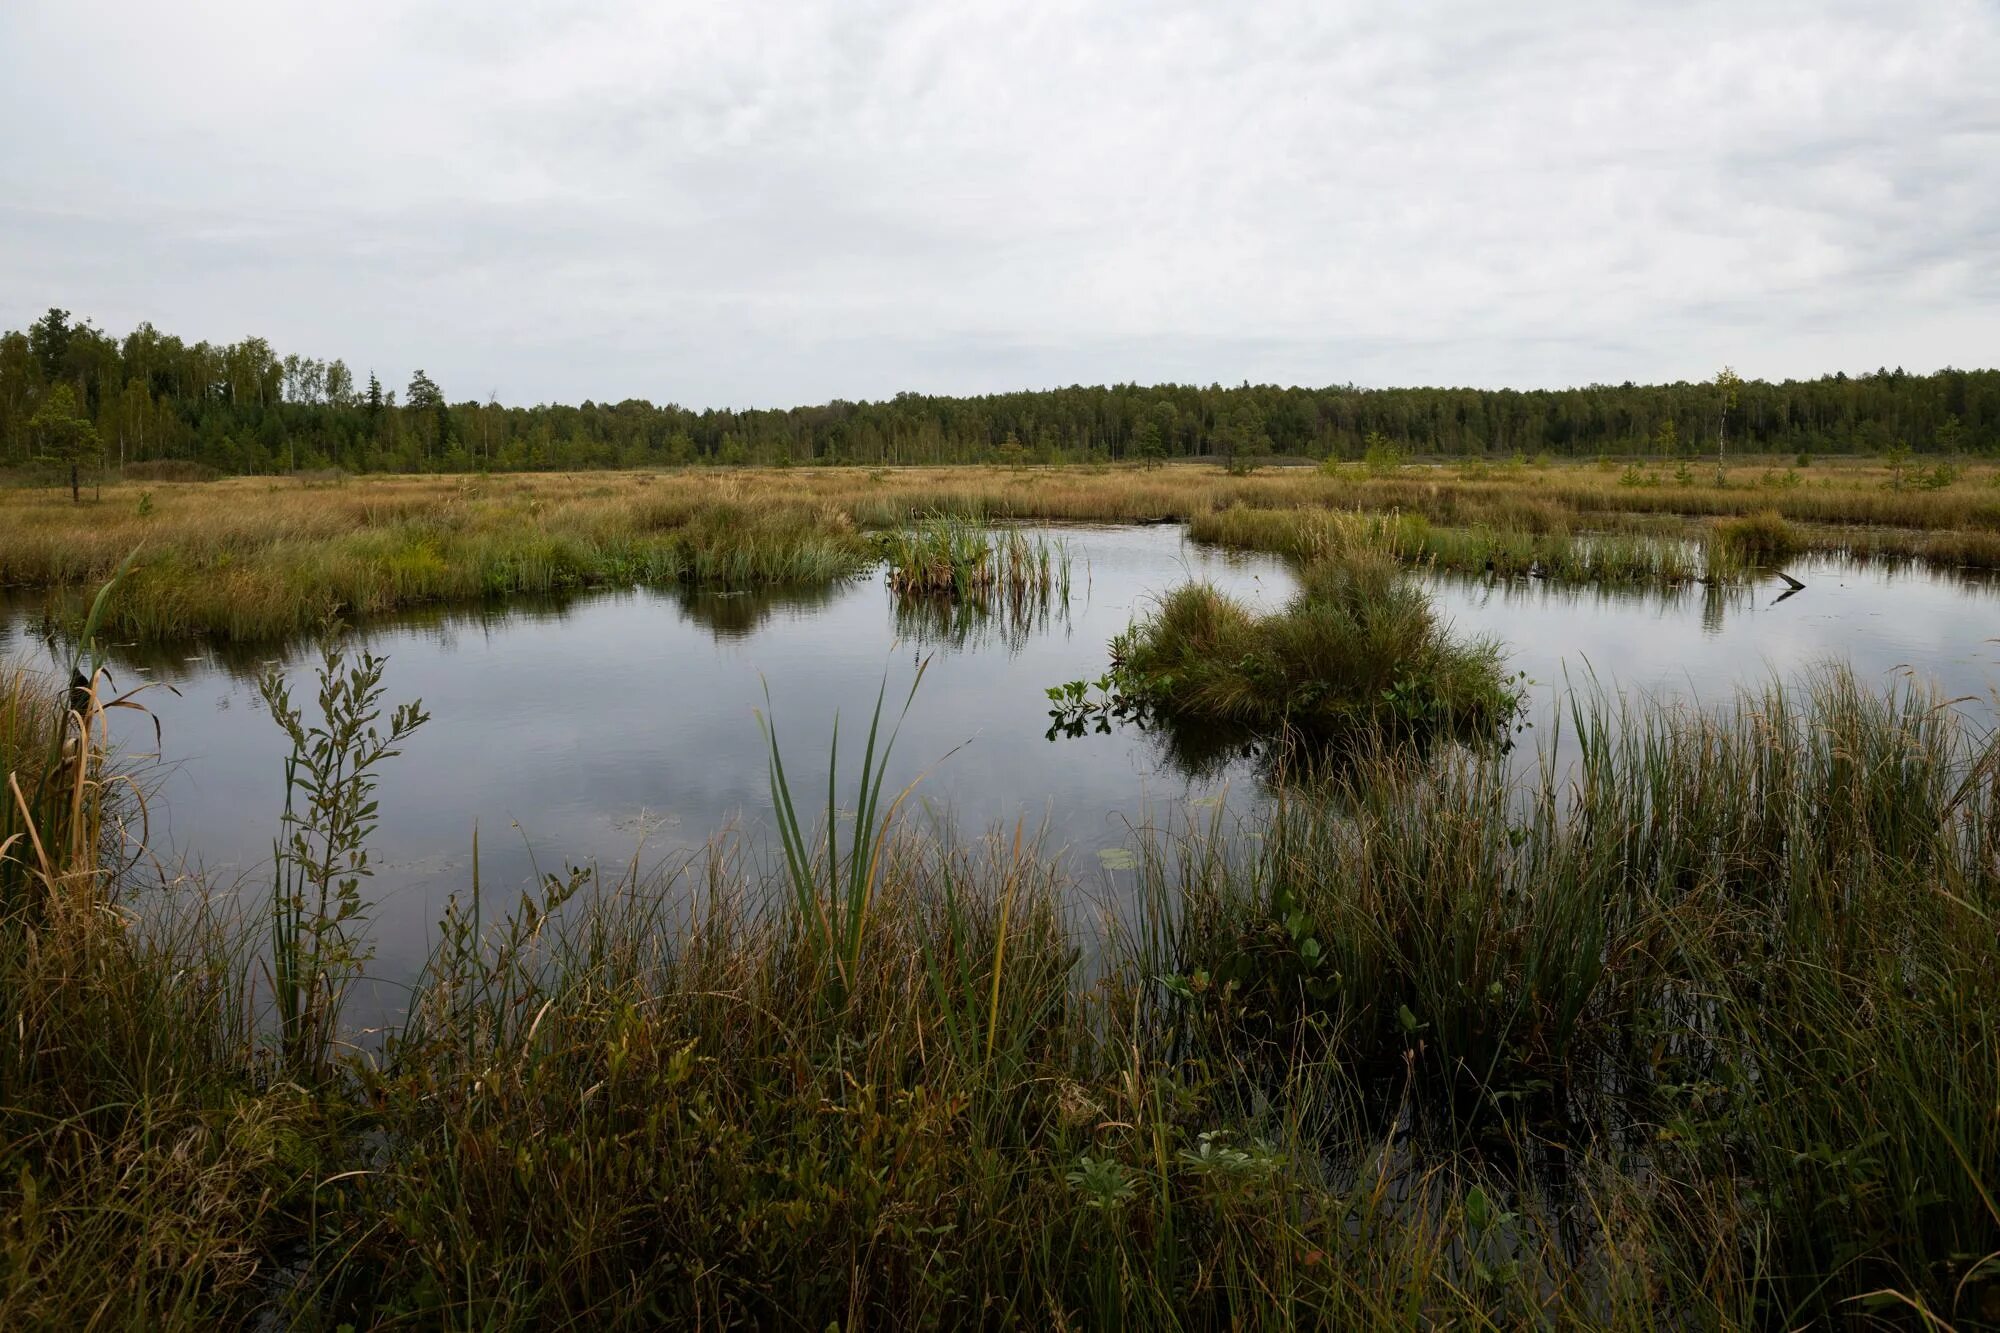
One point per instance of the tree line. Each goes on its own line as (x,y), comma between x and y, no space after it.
(76,397)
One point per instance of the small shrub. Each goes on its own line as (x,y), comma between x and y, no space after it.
(1934,479)
(1382,458)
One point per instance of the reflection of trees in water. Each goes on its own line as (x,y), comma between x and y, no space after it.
(245,660)
(43,622)
(735,614)
(998,620)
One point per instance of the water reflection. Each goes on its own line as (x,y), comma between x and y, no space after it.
(604,727)
(984,622)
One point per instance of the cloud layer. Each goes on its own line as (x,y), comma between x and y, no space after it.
(763,203)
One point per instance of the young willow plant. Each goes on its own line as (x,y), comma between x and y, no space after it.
(321,856)
(832,893)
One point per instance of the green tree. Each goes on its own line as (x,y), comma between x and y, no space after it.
(49,336)
(20,383)
(428,414)
(339,385)
(65,436)
(1147,443)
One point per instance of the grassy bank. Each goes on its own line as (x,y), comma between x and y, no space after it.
(1700,1034)
(1544,550)
(257,558)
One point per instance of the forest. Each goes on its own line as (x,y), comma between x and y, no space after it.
(79,398)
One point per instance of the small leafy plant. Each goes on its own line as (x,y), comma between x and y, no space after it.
(321,853)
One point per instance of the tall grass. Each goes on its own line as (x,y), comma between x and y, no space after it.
(1545,550)
(1616,1049)
(142,1169)
(832,893)
(949,556)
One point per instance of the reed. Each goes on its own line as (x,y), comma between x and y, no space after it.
(953,557)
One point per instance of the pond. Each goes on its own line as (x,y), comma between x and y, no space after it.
(614,726)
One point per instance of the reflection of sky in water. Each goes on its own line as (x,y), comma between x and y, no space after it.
(574,728)
(1702,643)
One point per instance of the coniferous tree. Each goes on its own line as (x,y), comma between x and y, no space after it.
(65,436)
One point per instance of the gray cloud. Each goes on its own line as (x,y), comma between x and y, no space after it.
(764,202)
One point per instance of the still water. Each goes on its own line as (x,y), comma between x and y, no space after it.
(616,726)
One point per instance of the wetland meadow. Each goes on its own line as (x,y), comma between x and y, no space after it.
(1483,894)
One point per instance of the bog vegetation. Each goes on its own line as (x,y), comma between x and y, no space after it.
(1697,1031)
(1356,653)
(1701,1032)
(258,558)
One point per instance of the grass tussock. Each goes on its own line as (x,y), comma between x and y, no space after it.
(1760,539)
(1357,650)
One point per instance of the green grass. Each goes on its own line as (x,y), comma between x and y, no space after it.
(1357,651)
(1540,545)
(958,558)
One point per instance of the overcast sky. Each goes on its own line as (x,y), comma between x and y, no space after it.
(755,203)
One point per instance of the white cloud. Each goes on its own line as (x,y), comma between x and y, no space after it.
(770,202)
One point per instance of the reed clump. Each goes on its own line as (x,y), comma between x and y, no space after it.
(144,1168)
(952,557)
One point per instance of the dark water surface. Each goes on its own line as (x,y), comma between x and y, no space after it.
(621,724)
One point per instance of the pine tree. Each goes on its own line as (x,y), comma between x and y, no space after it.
(65,436)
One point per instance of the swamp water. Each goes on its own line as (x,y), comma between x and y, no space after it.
(612,726)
